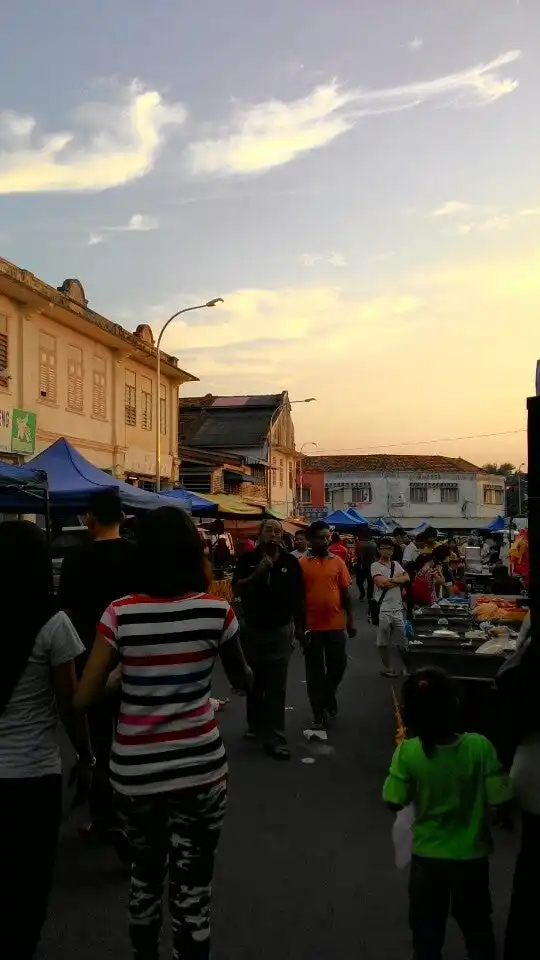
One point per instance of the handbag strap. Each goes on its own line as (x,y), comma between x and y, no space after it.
(385,591)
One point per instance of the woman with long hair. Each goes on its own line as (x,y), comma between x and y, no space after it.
(37,675)
(168,764)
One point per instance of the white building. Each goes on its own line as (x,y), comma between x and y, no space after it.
(447,492)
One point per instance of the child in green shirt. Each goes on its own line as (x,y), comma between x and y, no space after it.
(453,780)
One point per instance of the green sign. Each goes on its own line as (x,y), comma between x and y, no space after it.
(23,431)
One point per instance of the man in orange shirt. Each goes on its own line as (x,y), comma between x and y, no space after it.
(328,614)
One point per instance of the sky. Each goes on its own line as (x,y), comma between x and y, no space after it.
(357,180)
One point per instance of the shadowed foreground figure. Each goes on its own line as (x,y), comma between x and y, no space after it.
(168,764)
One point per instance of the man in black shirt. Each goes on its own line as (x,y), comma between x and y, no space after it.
(269,583)
(92,576)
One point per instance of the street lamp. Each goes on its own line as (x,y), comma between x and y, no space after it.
(270,444)
(199,306)
(519,487)
(309,443)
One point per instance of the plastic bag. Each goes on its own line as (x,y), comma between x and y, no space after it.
(402,836)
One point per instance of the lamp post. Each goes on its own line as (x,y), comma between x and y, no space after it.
(519,487)
(199,306)
(309,443)
(271,445)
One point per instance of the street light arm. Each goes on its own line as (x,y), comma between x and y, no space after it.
(198,306)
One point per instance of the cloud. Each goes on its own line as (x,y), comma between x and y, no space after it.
(450,209)
(310,259)
(110,144)
(94,239)
(269,134)
(291,314)
(335,259)
(481,218)
(415,44)
(138,223)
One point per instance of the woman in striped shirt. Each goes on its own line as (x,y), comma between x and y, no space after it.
(168,764)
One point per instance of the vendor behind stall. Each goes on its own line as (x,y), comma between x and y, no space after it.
(503,584)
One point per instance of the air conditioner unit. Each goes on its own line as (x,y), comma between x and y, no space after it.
(397,501)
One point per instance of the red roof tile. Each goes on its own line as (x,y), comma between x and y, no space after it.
(375,462)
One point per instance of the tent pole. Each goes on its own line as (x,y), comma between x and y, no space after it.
(533,442)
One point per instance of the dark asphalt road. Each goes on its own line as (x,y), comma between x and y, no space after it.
(305,868)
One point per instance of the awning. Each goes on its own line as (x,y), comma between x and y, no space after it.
(234,506)
(198,506)
(344,521)
(234,476)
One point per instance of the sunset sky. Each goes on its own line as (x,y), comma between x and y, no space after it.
(358,181)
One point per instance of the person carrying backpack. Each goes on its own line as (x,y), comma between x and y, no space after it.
(389,579)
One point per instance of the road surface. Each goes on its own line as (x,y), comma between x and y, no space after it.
(305,868)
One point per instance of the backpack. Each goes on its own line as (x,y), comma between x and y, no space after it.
(421,592)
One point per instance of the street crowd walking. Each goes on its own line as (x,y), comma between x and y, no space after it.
(133,649)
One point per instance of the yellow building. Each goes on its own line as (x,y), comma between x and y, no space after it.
(66,371)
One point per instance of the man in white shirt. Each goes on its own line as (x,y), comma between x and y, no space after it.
(411,552)
(301,545)
(389,578)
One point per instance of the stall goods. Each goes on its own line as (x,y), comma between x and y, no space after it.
(502,609)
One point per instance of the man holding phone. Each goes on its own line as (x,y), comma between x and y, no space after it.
(269,583)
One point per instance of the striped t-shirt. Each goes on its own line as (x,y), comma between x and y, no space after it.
(166,736)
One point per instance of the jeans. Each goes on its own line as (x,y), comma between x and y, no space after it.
(363,575)
(268,654)
(326,661)
(521,929)
(460,887)
(30,811)
(174,834)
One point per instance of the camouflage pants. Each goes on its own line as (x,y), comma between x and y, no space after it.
(175,834)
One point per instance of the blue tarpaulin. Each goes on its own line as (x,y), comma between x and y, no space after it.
(343,521)
(71,479)
(498,525)
(20,477)
(196,504)
(356,515)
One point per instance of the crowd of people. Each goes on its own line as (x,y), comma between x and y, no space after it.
(125,653)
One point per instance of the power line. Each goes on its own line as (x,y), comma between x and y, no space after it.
(413,443)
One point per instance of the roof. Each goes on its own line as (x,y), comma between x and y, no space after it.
(227,422)
(267,400)
(375,462)
(70,296)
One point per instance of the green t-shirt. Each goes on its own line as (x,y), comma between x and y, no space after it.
(452,792)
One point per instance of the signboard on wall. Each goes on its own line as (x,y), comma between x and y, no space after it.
(17,430)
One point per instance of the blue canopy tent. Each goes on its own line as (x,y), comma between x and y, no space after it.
(21,478)
(343,521)
(498,525)
(72,478)
(198,506)
(422,527)
(379,526)
(26,486)
(356,515)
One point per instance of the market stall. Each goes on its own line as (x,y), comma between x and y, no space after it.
(470,639)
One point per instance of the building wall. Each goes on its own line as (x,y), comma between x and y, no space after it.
(389,494)
(283,465)
(312,481)
(283,482)
(104,438)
